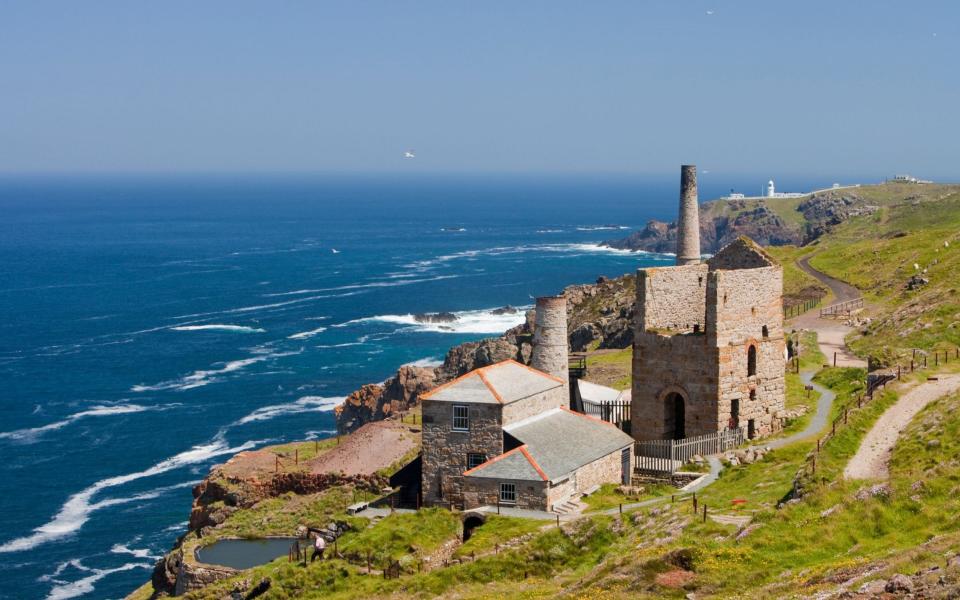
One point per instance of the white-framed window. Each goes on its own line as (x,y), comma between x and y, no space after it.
(475,460)
(508,493)
(461,418)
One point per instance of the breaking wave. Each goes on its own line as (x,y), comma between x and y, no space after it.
(363,286)
(468,321)
(303,335)
(62,590)
(572,249)
(431,361)
(601,227)
(207,376)
(302,405)
(77,509)
(31,434)
(218,327)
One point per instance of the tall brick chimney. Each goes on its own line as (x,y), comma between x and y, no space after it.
(688,222)
(550,339)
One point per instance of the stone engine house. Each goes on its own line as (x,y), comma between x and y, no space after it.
(709,346)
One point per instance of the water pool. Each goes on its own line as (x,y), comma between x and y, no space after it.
(246,553)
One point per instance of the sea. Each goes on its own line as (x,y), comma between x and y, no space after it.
(153,325)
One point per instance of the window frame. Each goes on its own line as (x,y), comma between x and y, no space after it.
(465,417)
(471,455)
(511,488)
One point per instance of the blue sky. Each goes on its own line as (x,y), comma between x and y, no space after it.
(837,88)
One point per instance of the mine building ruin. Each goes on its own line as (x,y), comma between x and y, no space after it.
(709,349)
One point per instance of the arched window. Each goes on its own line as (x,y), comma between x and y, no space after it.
(752,361)
(766,332)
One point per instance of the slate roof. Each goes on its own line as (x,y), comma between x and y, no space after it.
(500,383)
(555,444)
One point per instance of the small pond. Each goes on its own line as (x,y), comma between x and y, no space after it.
(245,554)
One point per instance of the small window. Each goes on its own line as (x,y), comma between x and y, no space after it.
(766,332)
(461,419)
(508,493)
(475,460)
(752,361)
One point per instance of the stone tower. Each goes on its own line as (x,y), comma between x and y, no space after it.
(550,339)
(688,224)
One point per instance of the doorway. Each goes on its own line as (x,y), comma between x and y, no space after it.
(675,421)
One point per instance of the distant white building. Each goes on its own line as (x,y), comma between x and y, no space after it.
(909,179)
(773,193)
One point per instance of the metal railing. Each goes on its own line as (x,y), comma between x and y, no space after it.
(616,412)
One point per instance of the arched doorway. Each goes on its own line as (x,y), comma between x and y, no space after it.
(675,413)
(470,522)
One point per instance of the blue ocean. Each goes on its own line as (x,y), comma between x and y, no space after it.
(152,326)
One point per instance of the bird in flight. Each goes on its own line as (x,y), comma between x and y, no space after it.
(409,154)
(709,12)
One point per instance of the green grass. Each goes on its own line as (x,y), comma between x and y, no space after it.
(404,536)
(496,531)
(797,284)
(609,496)
(619,362)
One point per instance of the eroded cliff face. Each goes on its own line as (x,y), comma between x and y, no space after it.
(722,221)
(598,314)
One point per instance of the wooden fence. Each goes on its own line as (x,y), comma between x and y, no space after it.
(801,306)
(616,412)
(664,457)
(841,308)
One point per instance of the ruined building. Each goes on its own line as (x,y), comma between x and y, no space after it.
(504,434)
(708,350)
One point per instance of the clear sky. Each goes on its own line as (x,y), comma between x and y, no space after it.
(816,87)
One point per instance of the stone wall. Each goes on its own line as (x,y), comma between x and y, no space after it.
(588,477)
(481,491)
(671,298)
(445,451)
(535,405)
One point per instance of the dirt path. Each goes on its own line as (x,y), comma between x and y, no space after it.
(374,446)
(830,333)
(872,458)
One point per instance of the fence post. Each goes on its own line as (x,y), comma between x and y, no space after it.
(694,503)
(845,411)
(704,513)
(834,359)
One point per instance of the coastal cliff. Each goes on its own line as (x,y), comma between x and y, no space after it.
(598,316)
(768,221)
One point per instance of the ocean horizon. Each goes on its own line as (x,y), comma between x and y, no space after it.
(153,326)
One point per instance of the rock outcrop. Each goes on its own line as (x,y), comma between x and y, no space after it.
(722,221)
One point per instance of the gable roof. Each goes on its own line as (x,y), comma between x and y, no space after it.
(600,394)
(741,253)
(500,383)
(555,444)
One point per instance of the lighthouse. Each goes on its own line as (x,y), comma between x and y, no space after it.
(771,189)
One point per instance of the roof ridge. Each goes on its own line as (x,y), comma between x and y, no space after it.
(489,385)
(533,463)
(591,417)
(495,459)
(444,386)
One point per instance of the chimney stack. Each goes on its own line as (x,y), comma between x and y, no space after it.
(688,223)
(550,340)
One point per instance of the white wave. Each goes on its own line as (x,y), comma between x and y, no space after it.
(306,334)
(549,231)
(302,405)
(246,309)
(344,345)
(205,377)
(468,321)
(431,361)
(601,227)
(218,327)
(77,509)
(573,249)
(29,435)
(62,590)
(135,552)
(314,435)
(362,286)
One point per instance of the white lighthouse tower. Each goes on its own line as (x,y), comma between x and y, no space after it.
(771,189)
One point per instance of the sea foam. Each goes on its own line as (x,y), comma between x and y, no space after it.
(468,321)
(218,327)
(208,376)
(302,405)
(77,509)
(31,434)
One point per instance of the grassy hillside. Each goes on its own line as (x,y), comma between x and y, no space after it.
(917,232)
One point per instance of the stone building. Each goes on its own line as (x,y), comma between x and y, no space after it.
(709,348)
(504,433)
